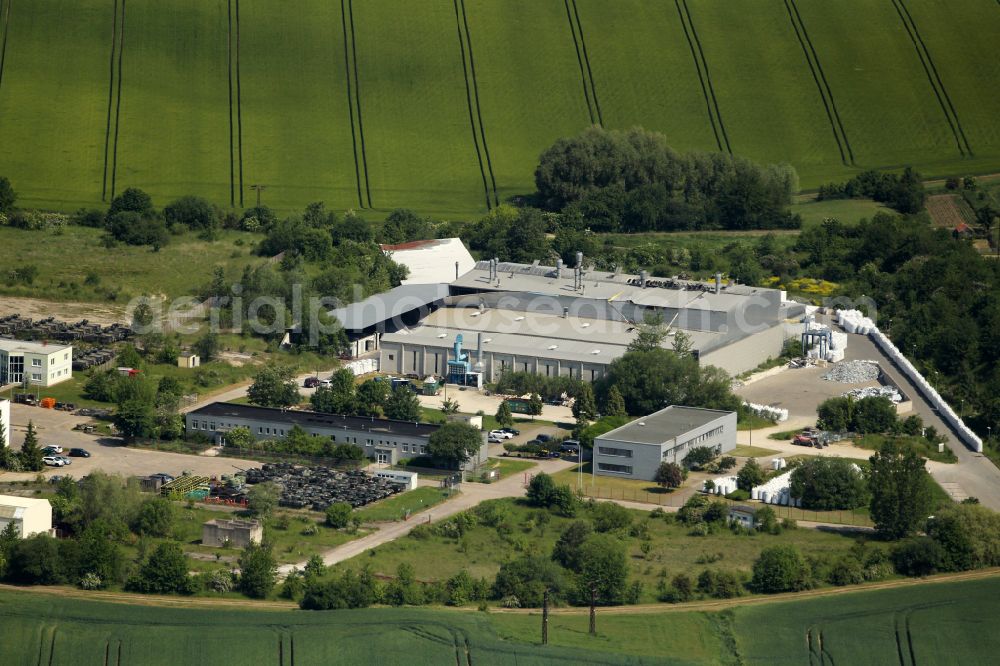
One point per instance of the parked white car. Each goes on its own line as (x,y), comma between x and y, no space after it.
(54,461)
(52,448)
(500,434)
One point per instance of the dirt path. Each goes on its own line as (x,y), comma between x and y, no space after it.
(35,308)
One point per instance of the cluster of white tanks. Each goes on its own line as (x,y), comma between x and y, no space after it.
(768,412)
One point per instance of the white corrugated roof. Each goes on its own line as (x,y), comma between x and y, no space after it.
(432,261)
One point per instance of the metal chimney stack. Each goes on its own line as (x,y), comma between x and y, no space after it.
(643,277)
(718,283)
(578,283)
(559,267)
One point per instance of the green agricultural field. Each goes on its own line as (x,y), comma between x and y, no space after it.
(54,100)
(643,71)
(444,106)
(70,631)
(66,257)
(931,622)
(172,126)
(789,118)
(293,103)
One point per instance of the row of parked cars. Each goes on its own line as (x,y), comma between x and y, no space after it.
(53,455)
(501,435)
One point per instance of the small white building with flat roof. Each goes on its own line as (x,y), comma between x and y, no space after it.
(636,449)
(29,515)
(34,363)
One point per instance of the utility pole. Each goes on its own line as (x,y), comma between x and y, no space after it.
(593,609)
(545,617)
(258,188)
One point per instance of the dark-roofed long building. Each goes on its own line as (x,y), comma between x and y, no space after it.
(383,440)
(636,449)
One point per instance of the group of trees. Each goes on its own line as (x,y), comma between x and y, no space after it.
(874,414)
(28,459)
(632,181)
(374,397)
(904,191)
(297,442)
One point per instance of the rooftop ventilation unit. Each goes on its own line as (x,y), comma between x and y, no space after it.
(551,347)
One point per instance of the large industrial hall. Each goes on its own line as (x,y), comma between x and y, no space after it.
(560,321)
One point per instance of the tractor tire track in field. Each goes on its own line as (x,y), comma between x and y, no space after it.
(349,24)
(232,161)
(705,87)
(468,102)
(586,62)
(114,101)
(239,106)
(235,107)
(922,47)
(932,78)
(479,108)
(816,69)
(4,31)
(350,102)
(579,60)
(708,76)
(111,96)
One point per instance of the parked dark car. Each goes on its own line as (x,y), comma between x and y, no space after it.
(311,382)
(167,478)
(79,453)
(543,438)
(569,446)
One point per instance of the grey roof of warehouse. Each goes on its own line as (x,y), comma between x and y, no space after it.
(304,419)
(605,285)
(664,425)
(388,305)
(532,334)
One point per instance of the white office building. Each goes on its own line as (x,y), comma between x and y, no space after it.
(34,363)
(636,449)
(29,515)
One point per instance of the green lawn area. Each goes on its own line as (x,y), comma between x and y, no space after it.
(754,422)
(182,268)
(511,466)
(612,487)
(846,211)
(398,506)
(751,452)
(481,549)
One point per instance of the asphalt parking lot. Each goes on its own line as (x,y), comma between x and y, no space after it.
(106,453)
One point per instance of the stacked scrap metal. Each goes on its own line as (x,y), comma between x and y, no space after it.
(12,324)
(319,487)
(853,372)
(890,392)
(52,329)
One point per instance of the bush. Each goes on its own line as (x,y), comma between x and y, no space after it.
(338,515)
(920,556)
(780,569)
(846,571)
(608,517)
(698,457)
(825,484)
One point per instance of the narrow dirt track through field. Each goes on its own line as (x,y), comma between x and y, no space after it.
(822,76)
(350,101)
(357,98)
(937,85)
(118,100)
(586,63)
(478,106)
(4,30)
(699,66)
(468,102)
(579,60)
(239,107)
(814,69)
